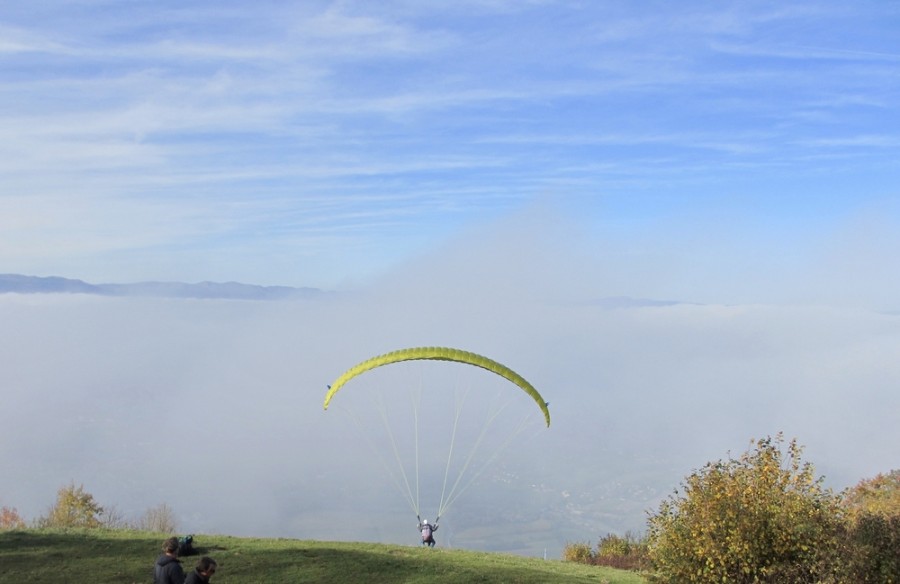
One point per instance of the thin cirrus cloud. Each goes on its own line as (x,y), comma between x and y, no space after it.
(242,115)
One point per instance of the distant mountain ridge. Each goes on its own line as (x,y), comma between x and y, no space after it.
(17,283)
(21,284)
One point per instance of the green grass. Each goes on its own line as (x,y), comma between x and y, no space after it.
(98,556)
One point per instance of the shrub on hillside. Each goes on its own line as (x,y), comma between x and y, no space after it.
(578,552)
(10,518)
(873,550)
(113,518)
(763,518)
(623,552)
(159,519)
(74,507)
(873,530)
(876,496)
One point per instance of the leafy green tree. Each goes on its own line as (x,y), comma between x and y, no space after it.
(74,507)
(760,518)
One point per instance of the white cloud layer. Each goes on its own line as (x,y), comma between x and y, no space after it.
(214,407)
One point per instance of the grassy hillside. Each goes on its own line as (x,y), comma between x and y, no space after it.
(100,556)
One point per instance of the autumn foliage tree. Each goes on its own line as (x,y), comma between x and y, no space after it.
(873,530)
(74,507)
(10,518)
(875,496)
(761,518)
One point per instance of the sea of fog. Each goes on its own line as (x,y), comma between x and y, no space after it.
(214,407)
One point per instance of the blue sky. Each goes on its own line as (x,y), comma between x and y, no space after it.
(326,143)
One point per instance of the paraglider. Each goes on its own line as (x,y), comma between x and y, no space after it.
(495,443)
(427,530)
(439,354)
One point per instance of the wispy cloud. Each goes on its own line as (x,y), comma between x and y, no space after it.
(869,141)
(223,107)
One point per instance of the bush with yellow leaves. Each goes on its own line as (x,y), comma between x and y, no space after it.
(761,518)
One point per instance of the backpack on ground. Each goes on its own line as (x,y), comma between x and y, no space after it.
(186,546)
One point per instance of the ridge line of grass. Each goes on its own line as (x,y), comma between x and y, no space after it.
(117,556)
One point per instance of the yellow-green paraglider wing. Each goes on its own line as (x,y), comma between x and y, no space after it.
(439,354)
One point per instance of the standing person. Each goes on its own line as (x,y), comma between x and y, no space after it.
(427,530)
(168,567)
(206,567)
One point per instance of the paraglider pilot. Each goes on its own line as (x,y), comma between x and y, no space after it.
(427,530)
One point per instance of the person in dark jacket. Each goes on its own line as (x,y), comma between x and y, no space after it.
(427,530)
(168,567)
(206,567)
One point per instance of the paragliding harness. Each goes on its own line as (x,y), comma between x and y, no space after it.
(186,546)
(427,530)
